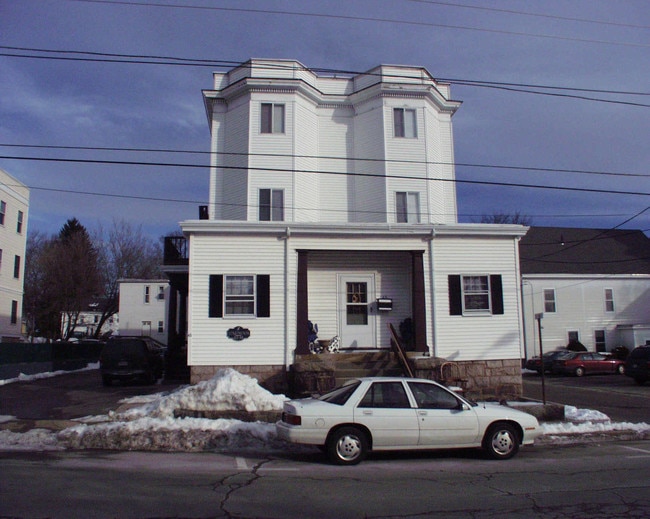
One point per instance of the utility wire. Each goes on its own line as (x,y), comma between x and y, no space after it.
(363,19)
(330,157)
(536,15)
(339,173)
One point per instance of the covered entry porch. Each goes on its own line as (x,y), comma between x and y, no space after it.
(354,295)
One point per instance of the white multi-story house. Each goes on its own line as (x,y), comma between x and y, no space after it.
(14,209)
(332,200)
(591,285)
(143,308)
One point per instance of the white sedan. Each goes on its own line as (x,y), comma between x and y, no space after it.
(380,413)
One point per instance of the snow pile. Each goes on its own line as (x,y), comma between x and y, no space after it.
(24,378)
(152,426)
(587,421)
(227,390)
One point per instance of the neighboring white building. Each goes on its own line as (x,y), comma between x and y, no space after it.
(143,308)
(591,285)
(87,323)
(14,209)
(328,193)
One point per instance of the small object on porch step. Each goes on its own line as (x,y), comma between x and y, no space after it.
(334,344)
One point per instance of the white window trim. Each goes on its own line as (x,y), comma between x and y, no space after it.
(544,301)
(252,298)
(411,198)
(464,293)
(609,300)
(276,127)
(408,127)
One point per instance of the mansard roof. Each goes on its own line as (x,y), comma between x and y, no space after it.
(570,250)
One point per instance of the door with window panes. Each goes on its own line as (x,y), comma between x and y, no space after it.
(357,317)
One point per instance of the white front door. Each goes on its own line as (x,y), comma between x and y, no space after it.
(357,310)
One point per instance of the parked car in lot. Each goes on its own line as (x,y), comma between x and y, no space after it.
(381,413)
(582,363)
(131,358)
(637,364)
(534,363)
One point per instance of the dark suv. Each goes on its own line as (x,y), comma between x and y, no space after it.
(132,358)
(637,364)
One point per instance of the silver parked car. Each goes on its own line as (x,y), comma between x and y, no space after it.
(380,413)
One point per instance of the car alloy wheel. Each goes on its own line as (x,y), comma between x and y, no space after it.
(501,441)
(620,369)
(347,446)
(580,371)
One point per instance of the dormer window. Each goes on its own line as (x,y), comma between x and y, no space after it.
(405,123)
(272,118)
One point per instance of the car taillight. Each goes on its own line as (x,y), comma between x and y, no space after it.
(291,419)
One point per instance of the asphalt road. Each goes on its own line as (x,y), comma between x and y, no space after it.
(585,481)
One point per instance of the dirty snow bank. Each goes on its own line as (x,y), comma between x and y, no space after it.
(152,426)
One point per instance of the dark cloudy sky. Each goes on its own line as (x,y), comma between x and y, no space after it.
(555,121)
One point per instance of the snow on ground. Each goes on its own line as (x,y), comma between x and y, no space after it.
(148,423)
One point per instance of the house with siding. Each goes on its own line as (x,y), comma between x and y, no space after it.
(591,285)
(14,209)
(143,308)
(332,200)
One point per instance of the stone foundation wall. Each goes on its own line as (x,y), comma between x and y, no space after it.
(271,378)
(479,379)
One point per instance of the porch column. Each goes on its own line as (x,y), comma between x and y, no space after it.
(418,302)
(302,306)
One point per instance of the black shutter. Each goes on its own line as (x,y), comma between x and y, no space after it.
(215,302)
(263,295)
(496,293)
(455,296)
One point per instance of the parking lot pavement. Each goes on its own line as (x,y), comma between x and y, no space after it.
(614,395)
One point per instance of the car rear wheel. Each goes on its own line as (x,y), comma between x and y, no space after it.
(347,446)
(501,441)
(580,371)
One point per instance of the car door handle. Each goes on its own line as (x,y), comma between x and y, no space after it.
(367,411)
(422,413)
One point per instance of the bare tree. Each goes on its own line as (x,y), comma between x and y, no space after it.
(35,307)
(513,218)
(124,253)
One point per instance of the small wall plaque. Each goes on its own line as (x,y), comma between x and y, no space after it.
(238,333)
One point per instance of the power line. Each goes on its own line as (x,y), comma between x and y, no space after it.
(322,172)
(331,157)
(536,15)
(361,19)
(100,57)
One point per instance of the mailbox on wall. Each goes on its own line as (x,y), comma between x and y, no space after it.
(384,304)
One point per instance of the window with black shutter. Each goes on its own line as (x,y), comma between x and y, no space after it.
(239,295)
(475,294)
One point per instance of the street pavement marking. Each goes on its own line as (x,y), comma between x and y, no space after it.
(647,452)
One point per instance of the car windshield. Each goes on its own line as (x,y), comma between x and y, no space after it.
(340,395)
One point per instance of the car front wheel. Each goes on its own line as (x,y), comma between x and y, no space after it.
(620,369)
(347,446)
(580,372)
(501,441)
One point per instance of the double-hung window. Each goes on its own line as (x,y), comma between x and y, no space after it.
(549,300)
(405,123)
(475,294)
(609,300)
(271,205)
(407,207)
(147,294)
(17,267)
(239,295)
(272,120)
(3,211)
(19,223)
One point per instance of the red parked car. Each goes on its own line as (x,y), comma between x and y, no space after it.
(581,363)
